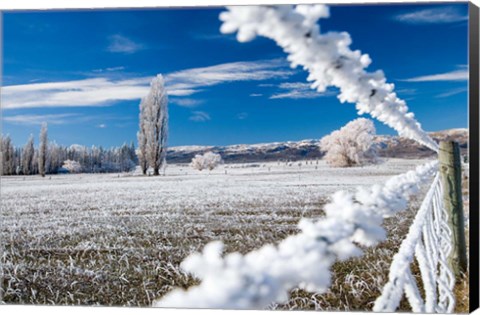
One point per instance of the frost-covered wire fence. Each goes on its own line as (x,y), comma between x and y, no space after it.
(429,241)
(328,60)
(266,275)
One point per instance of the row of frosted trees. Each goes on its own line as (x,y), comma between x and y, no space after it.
(49,157)
(351,145)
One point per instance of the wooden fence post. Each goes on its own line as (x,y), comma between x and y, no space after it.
(451,177)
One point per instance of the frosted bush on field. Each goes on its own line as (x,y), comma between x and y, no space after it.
(208,161)
(72,166)
(351,145)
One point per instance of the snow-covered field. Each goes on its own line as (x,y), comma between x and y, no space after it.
(117,239)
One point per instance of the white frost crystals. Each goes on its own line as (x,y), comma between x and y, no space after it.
(351,145)
(153,127)
(255,280)
(328,59)
(209,161)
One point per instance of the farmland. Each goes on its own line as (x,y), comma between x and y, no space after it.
(118,239)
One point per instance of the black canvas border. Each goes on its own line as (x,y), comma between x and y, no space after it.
(474,155)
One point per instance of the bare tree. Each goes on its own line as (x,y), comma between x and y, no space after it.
(154,125)
(351,145)
(42,150)
(27,157)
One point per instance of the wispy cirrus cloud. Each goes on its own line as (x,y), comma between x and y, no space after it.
(299,90)
(86,92)
(54,119)
(456,75)
(105,90)
(185,102)
(121,44)
(109,69)
(199,116)
(453,92)
(191,80)
(242,116)
(440,15)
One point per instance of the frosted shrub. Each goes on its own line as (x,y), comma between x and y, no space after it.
(351,145)
(208,161)
(72,166)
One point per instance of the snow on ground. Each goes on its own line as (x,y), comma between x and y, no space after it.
(152,223)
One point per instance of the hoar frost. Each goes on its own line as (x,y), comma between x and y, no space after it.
(351,145)
(266,275)
(328,59)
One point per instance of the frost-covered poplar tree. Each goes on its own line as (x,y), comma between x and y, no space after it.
(42,150)
(8,156)
(142,141)
(351,145)
(27,157)
(154,117)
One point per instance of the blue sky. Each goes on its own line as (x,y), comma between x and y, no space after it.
(83,72)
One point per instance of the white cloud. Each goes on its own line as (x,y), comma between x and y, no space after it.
(87,92)
(242,116)
(199,116)
(102,126)
(104,90)
(299,90)
(53,119)
(109,69)
(457,75)
(453,92)
(407,91)
(185,102)
(448,14)
(122,44)
(256,94)
(190,80)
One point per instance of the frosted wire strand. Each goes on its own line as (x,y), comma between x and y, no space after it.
(391,295)
(430,253)
(425,273)
(328,60)
(266,275)
(413,294)
(446,279)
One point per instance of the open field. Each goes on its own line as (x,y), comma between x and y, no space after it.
(117,239)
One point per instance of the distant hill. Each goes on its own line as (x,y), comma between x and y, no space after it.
(389,146)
